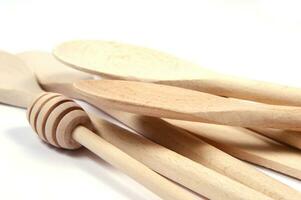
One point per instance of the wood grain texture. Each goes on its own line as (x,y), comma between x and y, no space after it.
(72,130)
(129,62)
(292,138)
(168,163)
(55,125)
(174,166)
(139,172)
(247,145)
(190,146)
(178,103)
(202,153)
(17,83)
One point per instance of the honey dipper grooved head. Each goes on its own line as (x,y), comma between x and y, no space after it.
(54,117)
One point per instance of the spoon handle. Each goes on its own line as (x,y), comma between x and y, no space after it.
(236,87)
(292,138)
(176,167)
(247,145)
(180,141)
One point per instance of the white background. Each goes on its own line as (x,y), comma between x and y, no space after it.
(255,39)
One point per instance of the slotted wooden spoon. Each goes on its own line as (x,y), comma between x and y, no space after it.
(164,161)
(129,62)
(178,140)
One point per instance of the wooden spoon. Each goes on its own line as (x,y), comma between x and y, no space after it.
(178,140)
(122,61)
(129,62)
(178,103)
(11,68)
(172,165)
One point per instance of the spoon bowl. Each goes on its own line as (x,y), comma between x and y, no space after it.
(129,62)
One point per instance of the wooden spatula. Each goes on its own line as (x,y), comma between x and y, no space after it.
(15,81)
(129,62)
(166,162)
(187,145)
(178,103)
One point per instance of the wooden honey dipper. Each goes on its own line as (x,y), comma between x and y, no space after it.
(164,161)
(55,76)
(62,123)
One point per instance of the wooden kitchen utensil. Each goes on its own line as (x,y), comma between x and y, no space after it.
(196,177)
(129,62)
(247,145)
(180,141)
(178,103)
(175,139)
(292,138)
(55,76)
(61,122)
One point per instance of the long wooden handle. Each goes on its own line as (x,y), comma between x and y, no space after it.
(139,172)
(200,152)
(57,120)
(247,145)
(290,137)
(174,166)
(190,146)
(236,87)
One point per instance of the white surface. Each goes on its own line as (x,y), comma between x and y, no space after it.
(256,39)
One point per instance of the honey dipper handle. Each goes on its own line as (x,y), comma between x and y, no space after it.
(159,185)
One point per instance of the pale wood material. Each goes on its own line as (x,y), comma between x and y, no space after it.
(199,151)
(60,78)
(174,166)
(220,187)
(15,80)
(247,145)
(178,103)
(129,62)
(56,77)
(26,89)
(150,179)
(196,149)
(292,138)
(69,131)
